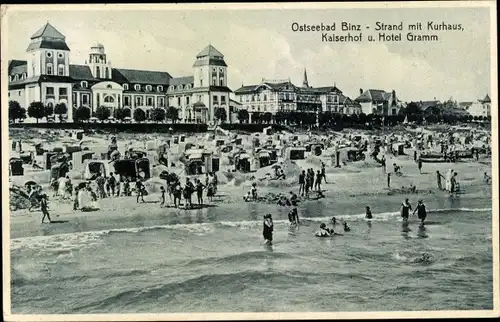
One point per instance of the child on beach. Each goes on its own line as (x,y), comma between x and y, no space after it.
(139,190)
(199,191)
(162,198)
(368,213)
(44,207)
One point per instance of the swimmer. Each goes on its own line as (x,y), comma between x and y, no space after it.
(368,213)
(405,209)
(323,231)
(346,228)
(421,210)
(333,221)
(268,229)
(293,217)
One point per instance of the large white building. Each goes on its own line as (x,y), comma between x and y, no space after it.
(378,102)
(273,96)
(480,107)
(47,76)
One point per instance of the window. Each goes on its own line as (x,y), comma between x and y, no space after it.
(16,78)
(60,55)
(19,93)
(171,88)
(179,88)
(150,101)
(214,81)
(84,84)
(137,87)
(159,88)
(265,97)
(63,91)
(138,100)
(201,82)
(223,100)
(24,76)
(188,86)
(48,54)
(214,98)
(49,69)
(106,73)
(178,101)
(60,70)
(149,88)
(187,100)
(97,72)
(221,70)
(241,98)
(161,101)
(221,82)
(49,91)
(109,86)
(126,100)
(85,99)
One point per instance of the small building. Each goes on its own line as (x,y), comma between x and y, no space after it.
(378,102)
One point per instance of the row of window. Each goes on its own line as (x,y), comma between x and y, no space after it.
(60,70)
(15,78)
(49,55)
(49,92)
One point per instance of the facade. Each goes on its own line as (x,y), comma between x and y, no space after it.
(47,76)
(275,96)
(379,102)
(480,107)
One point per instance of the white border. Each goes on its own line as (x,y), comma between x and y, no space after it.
(248,316)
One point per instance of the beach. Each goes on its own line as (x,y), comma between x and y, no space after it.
(133,258)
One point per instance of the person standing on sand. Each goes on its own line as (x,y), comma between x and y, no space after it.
(112,183)
(302,182)
(139,190)
(188,191)
(268,229)
(405,209)
(44,207)
(162,200)
(421,211)
(453,184)
(317,184)
(389,180)
(199,191)
(75,199)
(383,163)
(419,164)
(368,213)
(323,171)
(438,178)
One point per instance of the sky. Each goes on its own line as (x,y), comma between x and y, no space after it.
(260,44)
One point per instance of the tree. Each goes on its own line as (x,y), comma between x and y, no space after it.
(243,115)
(220,114)
(279,117)
(102,113)
(36,110)
(362,118)
(158,114)
(48,110)
(16,111)
(267,117)
(172,114)
(60,109)
(122,113)
(139,115)
(256,117)
(413,109)
(488,118)
(81,114)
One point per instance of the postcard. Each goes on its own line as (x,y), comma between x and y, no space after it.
(250,161)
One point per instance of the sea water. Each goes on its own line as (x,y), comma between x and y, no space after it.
(211,261)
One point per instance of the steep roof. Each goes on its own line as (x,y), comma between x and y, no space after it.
(135,76)
(328,89)
(373,95)
(80,72)
(182,80)
(17,66)
(210,51)
(48,31)
(487,99)
(424,105)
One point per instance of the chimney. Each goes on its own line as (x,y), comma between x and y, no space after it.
(360,91)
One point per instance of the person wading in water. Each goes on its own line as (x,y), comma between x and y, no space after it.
(405,209)
(421,212)
(268,229)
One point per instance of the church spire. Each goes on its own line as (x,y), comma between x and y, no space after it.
(305,83)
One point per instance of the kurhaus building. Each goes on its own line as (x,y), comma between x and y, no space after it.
(275,96)
(47,76)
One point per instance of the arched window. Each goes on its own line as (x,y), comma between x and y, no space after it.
(97,72)
(188,86)
(24,76)
(109,99)
(159,88)
(221,81)
(214,81)
(171,88)
(265,97)
(16,78)
(60,70)
(106,73)
(125,87)
(137,87)
(179,87)
(201,82)
(84,84)
(49,69)
(149,88)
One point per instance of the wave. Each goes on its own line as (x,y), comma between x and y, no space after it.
(71,241)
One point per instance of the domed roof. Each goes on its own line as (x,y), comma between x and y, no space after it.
(98,45)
